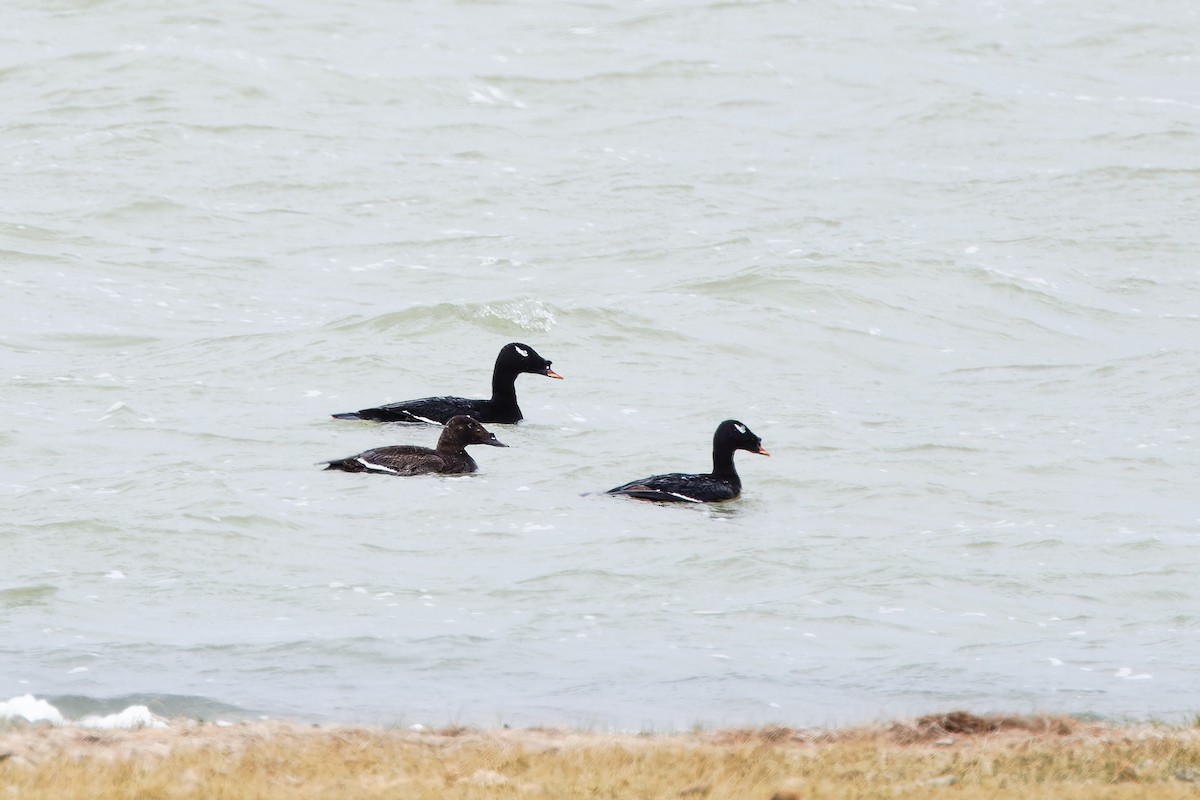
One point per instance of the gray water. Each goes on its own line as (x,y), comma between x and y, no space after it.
(941,257)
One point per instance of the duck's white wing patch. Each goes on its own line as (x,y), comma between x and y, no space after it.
(648,493)
(419,418)
(524,353)
(374,466)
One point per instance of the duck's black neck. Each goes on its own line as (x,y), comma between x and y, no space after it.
(504,385)
(723,461)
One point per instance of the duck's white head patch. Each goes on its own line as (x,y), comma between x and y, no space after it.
(740,427)
(524,353)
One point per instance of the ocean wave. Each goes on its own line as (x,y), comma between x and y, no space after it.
(30,709)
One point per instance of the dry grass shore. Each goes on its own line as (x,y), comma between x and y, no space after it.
(952,755)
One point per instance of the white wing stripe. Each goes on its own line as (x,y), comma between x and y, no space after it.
(379,467)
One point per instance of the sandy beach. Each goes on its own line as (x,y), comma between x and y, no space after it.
(956,754)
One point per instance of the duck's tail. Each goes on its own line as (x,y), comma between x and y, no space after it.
(343,464)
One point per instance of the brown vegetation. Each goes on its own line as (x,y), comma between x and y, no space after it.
(951,755)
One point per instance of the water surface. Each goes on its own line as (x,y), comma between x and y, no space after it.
(942,260)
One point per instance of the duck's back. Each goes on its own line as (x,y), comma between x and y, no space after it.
(436,410)
(681,487)
(405,459)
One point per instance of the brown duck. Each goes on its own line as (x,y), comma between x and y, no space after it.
(448,457)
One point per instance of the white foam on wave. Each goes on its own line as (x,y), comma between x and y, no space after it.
(31,709)
(532,315)
(1129,675)
(132,717)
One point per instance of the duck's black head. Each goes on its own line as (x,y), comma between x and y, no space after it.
(733,435)
(464,430)
(516,358)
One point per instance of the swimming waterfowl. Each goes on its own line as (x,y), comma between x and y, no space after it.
(722,483)
(449,457)
(514,359)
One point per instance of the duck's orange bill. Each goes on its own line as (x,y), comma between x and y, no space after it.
(552,374)
(762,451)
